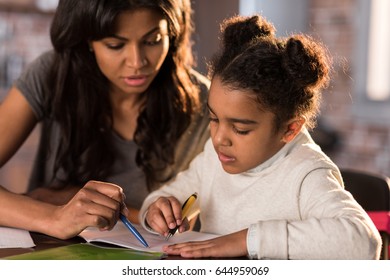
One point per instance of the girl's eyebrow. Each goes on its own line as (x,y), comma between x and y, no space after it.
(144,36)
(235,120)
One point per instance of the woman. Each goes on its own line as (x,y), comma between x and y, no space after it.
(117,99)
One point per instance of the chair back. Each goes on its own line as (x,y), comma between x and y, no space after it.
(371,191)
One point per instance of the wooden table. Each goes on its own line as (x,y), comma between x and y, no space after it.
(42,242)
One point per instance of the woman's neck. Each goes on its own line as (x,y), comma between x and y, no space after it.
(125,112)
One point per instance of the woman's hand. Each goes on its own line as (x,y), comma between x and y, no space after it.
(227,246)
(97,204)
(53,195)
(165,214)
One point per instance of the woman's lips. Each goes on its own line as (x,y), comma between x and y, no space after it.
(135,81)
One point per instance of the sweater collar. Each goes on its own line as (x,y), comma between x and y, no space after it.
(301,138)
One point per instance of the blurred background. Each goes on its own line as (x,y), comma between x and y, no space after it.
(354,126)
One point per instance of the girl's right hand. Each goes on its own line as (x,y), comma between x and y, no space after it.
(165,214)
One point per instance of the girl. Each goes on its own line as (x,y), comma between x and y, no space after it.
(262,183)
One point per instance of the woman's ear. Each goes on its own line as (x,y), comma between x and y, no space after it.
(90,48)
(294,126)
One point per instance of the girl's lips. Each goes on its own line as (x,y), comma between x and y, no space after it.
(224,158)
(135,81)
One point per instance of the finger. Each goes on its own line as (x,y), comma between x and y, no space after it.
(86,194)
(98,210)
(191,249)
(177,210)
(156,221)
(184,226)
(108,189)
(168,208)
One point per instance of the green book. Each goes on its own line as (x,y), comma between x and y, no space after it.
(87,251)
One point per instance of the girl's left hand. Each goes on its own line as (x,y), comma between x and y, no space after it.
(231,245)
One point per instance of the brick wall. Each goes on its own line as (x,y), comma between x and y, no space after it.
(363,146)
(23,36)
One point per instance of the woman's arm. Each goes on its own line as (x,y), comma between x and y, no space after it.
(96,204)
(17,120)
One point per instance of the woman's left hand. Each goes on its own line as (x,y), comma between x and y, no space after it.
(231,245)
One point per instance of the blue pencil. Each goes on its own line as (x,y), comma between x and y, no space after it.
(133,230)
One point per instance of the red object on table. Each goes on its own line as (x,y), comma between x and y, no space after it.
(381,220)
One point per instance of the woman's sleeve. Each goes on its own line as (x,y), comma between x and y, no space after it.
(32,82)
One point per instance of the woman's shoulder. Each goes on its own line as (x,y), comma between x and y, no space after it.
(32,83)
(44,60)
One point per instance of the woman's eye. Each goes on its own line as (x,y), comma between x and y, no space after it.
(154,41)
(115,46)
(213,119)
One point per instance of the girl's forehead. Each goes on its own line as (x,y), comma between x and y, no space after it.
(220,90)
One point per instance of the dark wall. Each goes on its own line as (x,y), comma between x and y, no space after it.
(207,17)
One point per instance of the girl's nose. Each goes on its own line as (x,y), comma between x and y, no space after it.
(221,137)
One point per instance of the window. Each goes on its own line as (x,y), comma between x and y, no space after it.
(287,16)
(371,101)
(378,72)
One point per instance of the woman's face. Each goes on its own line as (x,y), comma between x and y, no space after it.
(132,57)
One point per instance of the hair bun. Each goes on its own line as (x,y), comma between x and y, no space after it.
(306,62)
(238,33)
(239,30)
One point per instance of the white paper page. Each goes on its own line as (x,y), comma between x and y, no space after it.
(121,236)
(15,238)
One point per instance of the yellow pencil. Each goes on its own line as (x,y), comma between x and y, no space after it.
(184,212)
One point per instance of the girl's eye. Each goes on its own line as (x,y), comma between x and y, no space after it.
(241,132)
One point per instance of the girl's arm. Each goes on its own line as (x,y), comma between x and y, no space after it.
(227,246)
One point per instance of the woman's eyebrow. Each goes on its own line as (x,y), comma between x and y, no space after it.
(144,36)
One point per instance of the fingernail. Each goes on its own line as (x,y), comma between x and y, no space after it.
(125,211)
(172,225)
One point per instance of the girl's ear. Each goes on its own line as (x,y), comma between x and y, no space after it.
(294,126)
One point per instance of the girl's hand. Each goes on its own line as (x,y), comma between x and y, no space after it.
(165,214)
(227,246)
(97,204)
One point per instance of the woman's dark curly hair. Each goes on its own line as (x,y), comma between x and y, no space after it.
(285,75)
(79,99)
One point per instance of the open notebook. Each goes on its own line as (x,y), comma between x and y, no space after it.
(122,237)
(15,238)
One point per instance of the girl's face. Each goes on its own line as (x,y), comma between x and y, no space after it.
(243,135)
(132,57)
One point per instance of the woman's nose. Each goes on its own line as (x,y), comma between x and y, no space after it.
(135,57)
